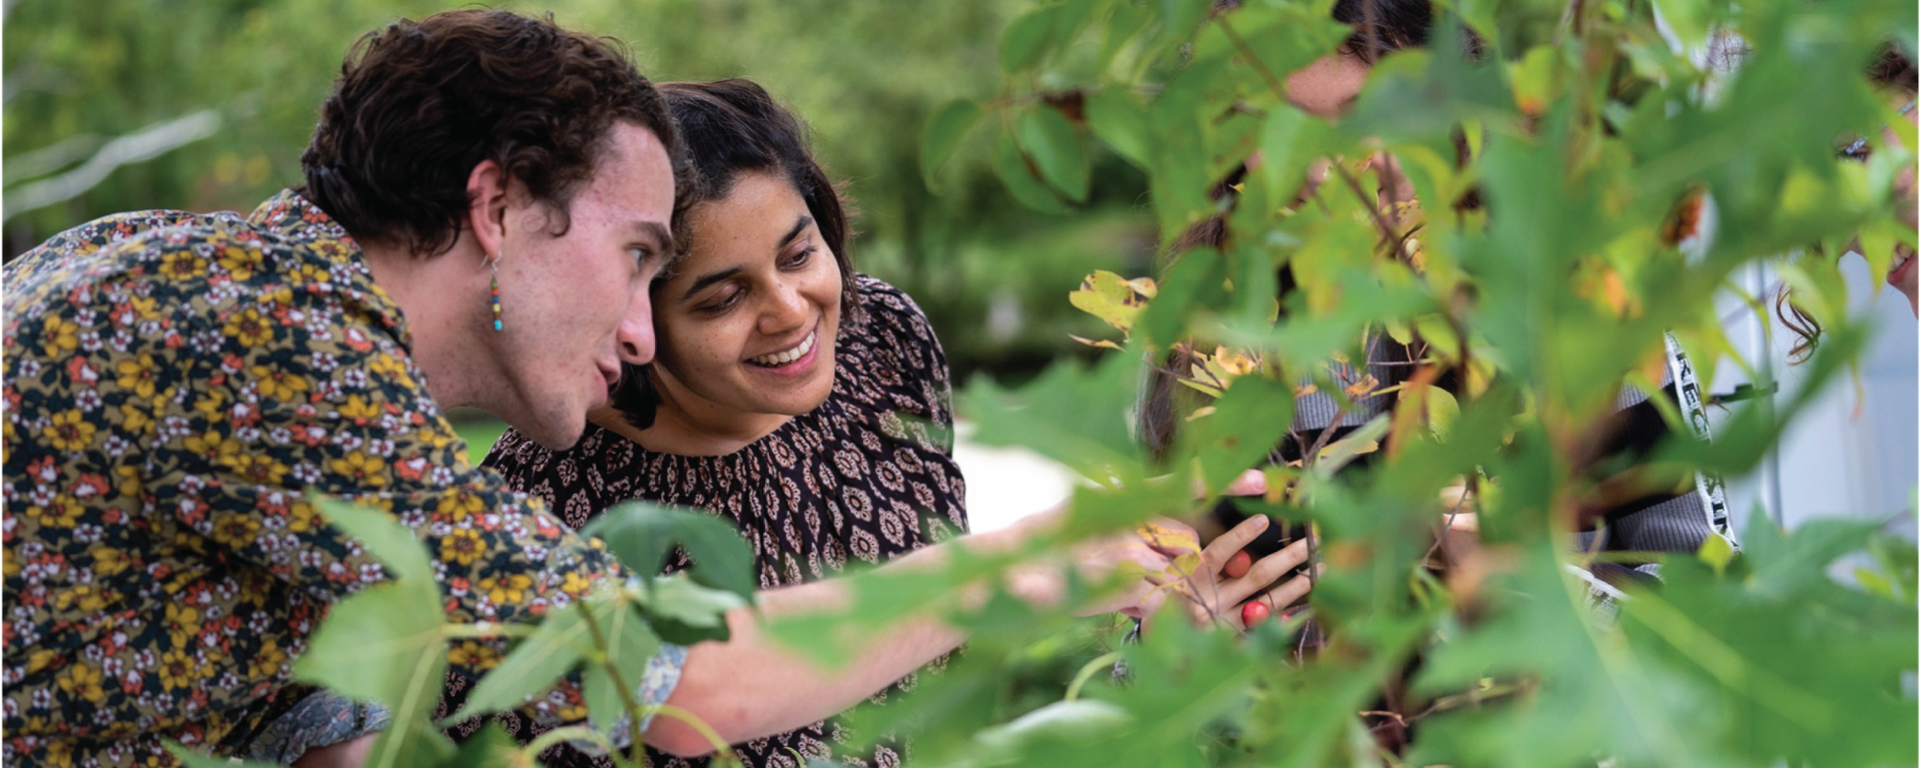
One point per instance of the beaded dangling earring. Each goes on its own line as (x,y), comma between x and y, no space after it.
(493,265)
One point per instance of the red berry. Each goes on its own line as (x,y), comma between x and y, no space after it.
(1253,613)
(1238,565)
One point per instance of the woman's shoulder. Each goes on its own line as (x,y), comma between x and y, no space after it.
(892,347)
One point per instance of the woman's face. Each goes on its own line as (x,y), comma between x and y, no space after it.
(747,323)
(1903,274)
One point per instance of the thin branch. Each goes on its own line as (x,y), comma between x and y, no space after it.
(1372,206)
(635,752)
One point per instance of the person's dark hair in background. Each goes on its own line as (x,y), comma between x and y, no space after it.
(407,119)
(734,127)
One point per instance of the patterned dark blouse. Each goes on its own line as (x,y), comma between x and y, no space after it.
(867,476)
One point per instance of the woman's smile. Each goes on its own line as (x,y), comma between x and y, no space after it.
(792,361)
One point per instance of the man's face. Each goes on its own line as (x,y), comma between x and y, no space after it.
(574,305)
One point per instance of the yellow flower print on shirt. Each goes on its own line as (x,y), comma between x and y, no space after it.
(136,375)
(84,597)
(62,512)
(250,328)
(474,653)
(135,416)
(59,337)
(359,410)
(277,384)
(462,546)
(240,261)
(256,468)
(178,669)
(361,468)
(506,590)
(182,265)
(457,506)
(237,530)
(215,447)
(268,660)
(83,679)
(70,431)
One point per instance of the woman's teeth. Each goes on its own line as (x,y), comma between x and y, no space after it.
(778,359)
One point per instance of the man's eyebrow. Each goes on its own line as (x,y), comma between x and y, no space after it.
(662,241)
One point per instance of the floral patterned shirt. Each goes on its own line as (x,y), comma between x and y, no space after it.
(172,382)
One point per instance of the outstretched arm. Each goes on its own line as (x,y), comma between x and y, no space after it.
(790,691)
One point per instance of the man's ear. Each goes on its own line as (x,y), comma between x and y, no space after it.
(487,204)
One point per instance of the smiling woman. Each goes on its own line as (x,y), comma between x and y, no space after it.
(806,404)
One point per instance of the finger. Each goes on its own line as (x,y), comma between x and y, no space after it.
(1265,571)
(1289,592)
(1252,482)
(1234,540)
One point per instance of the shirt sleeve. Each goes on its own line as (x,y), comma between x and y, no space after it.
(307,387)
(908,360)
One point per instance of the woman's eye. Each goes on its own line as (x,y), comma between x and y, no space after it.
(722,303)
(800,259)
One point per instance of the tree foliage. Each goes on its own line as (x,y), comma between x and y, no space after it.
(1589,127)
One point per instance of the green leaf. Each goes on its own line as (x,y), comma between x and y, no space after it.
(1749,640)
(630,645)
(1179,19)
(1045,136)
(492,747)
(380,644)
(1117,119)
(1290,140)
(411,743)
(1716,552)
(944,130)
(1014,172)
(1107,296)
(385,644)
(1192,286)
(1248,421)
(396,546)
(192,759)
(643,535)
(534,664)
(1025,41)
(1081,722)
(685,613)
(1072,414)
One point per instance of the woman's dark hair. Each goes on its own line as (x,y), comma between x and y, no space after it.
(420,103)
(734,127)
(1381,27)
(1891,72)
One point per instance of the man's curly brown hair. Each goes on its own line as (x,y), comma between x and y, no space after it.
(420,103)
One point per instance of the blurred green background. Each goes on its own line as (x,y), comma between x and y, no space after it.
(114,105)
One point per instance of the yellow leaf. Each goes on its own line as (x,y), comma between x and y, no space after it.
(1169,539)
